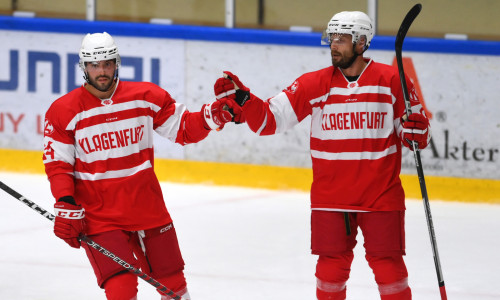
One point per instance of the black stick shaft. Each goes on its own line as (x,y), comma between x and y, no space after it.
(91,243)
(403,29)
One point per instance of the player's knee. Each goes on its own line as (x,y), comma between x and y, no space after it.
(332,273)
(391,276)
(334,268)
(177,283)
(387,269)
(121,287)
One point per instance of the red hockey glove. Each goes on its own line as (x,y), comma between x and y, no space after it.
(69,222)
(415,128)
(216,114)
(230,86)
(236,111)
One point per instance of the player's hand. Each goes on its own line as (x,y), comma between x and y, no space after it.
(229,85)
(237,113)
(69,222)
(217,114)
(415,128)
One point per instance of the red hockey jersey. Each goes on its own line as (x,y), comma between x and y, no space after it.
(355,129)
(101,152)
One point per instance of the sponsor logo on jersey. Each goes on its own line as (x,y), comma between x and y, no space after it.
(293,88)
(112,139)
(106,102)
(353,120)
(413,96)
(48,129)
(111,119)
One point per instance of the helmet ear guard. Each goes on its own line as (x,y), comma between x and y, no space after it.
(354,23)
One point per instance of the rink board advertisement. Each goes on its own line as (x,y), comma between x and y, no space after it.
(41,67)
(459,92)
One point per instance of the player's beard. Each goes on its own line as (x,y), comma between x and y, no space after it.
(345,60)
(103,87)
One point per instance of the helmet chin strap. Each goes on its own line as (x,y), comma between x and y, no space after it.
(86,77)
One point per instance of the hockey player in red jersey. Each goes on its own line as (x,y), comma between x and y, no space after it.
(358,125)
(98,156)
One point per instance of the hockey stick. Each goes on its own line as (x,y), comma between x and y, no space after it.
(403,29)
(160,287)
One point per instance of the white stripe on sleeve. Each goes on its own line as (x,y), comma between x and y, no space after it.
(171,126)
(283,112)
(62,152)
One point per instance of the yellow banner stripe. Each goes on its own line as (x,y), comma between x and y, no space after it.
(272,177)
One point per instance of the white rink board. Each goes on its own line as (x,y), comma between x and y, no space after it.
(460,90)
(22,109)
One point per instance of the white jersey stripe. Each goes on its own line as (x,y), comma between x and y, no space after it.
(339,210)
(111,109)
(353,155)
(113,174)
(319,99)
(369,89)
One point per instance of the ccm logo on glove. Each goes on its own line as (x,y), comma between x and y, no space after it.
(70,214)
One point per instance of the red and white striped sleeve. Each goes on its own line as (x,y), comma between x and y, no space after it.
(172,120)
(59,151)
(281,112)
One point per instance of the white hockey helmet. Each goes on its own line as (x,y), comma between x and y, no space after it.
(355,23)
(97,47)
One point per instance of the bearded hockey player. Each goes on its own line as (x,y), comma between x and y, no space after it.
(358,127)
(98,156)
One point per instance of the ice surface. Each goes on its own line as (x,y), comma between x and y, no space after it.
(241,243)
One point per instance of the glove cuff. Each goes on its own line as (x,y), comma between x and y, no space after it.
(242,97)
(207,116)
(225,94)
(64,209)
(70,213)
(67,199)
